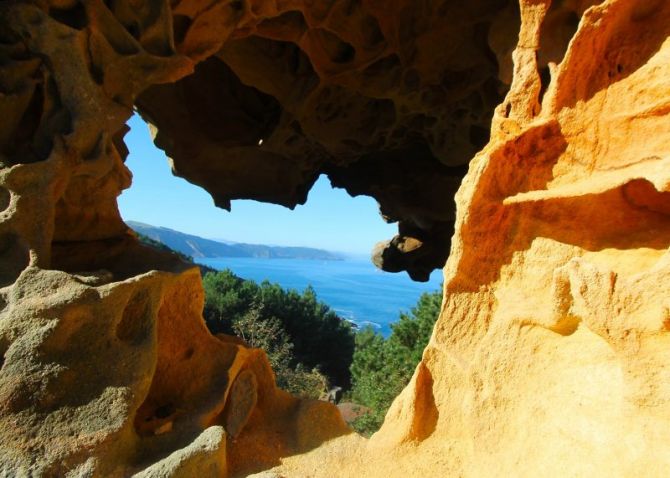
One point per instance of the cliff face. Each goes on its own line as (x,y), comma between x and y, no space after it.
(551,352)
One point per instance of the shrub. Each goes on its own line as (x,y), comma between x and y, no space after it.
(381,368)
(312,339)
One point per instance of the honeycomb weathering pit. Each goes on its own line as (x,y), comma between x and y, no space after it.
(549,121)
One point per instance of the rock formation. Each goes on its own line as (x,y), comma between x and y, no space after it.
(551,353)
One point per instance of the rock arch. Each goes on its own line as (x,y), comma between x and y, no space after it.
(549,118)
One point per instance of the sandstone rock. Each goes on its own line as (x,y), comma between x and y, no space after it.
(206,456)
(359,91)
(550,356)
(241,402)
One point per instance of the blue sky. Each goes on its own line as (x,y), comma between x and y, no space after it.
(330,219)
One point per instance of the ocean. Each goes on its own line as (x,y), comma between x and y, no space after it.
(354,288)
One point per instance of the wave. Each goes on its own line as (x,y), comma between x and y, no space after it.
(363,323)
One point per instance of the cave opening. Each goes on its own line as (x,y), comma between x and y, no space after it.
(323,246)
(344,92)
(557,286)
(370,115)
(330,228)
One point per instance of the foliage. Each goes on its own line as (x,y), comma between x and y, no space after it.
(303,335)
(310,348)
(302,382)
(267,333)
(381,368)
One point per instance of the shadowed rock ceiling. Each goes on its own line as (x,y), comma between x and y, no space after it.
(389,99)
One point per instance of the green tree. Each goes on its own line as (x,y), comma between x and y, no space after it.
(265,333)
(227,299)
(381,368)
(320,339)
(269,317)
(268,334)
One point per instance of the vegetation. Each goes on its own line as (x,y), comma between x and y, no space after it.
(381,367)
(309,346)
(268,334)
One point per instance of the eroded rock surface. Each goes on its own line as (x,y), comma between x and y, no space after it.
(551,353)
(107,368)
(390,100)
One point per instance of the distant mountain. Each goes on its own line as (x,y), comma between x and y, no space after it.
(195,246)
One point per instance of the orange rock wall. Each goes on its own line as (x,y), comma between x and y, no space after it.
(550,356)
(551,353)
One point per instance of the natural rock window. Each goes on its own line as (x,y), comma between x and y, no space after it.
(342,227)
(546,120)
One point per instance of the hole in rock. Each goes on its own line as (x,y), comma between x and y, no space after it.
(4,343)
(337,50)
(74,17)
(164,411)
(36,122)
(97,74)
(558,28)
(237,5)
(21,149)
(545,79)
(223,107)
(5,198)
(180,26)
(322,285)
(189,353)
(14,257)
(508,110)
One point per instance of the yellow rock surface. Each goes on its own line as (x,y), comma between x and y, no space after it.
(551,354)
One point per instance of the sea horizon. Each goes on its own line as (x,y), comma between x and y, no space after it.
(353,287)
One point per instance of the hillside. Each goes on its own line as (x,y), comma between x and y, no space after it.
(196,247)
